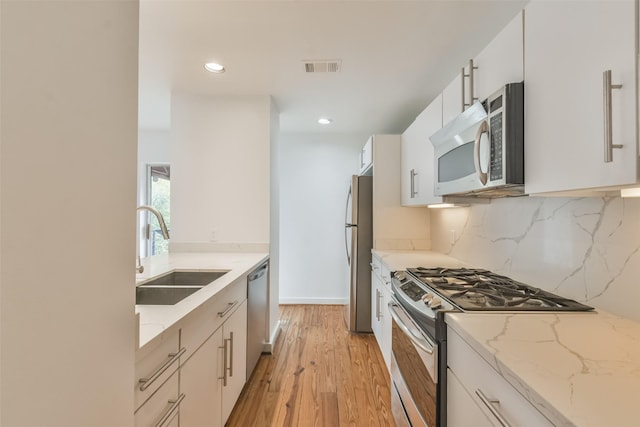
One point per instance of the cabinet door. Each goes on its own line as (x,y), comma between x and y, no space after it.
(235,365)
(376,301)
(462,410)
(569,45)
(385,325)
(501,62)
(417,167)
(200,381)
(452,102)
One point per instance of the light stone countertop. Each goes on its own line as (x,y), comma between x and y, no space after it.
(578,369)
(155,320)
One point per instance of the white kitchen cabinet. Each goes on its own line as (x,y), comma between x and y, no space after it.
(395,227)
(485,389)
(452,102)
(234,334)
(568,47)
(163,407)
(462,410)
(155,363)
(501,61)
(213,377)
(200,381)
(380,298)
(366,157)
(417,159)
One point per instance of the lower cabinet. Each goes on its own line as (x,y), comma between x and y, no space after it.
(194,376)
(214,375)
(162,409)
(380,317)
(478,395)
(200,382)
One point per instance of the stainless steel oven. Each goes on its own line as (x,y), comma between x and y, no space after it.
(421,298)
(414,371)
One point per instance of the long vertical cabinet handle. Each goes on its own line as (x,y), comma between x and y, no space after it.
(463,76)
(608,131)
(231,354)
(471,79)
(489,403)
(225,353)
(377,305)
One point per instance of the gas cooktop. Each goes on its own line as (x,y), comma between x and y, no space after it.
(483,290)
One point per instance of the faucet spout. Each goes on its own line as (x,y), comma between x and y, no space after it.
(156,212)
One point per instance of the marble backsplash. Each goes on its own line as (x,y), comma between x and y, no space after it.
(587,249)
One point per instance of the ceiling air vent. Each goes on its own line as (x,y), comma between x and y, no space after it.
(332,66)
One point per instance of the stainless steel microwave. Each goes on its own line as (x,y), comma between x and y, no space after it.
(481,151)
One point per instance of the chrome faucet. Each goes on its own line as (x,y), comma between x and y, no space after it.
(163,229)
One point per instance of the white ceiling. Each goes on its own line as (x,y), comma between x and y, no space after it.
(396,56)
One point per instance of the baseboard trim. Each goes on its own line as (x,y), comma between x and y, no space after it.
(267,347)
(320,301)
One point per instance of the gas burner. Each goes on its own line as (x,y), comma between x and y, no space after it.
(478,289)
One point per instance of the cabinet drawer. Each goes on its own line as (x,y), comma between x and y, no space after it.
(155,364)
(480,378)
(202,322)
(164,404)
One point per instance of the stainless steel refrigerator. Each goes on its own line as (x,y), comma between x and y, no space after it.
(358,239)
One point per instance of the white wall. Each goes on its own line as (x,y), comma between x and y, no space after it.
(587,249)
(220,152)
(68,171)
(315,173)
(274,232)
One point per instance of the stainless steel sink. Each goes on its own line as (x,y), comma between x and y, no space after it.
(163,295)
(174,287)
(186,278)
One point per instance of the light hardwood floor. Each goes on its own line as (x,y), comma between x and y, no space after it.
(318,375)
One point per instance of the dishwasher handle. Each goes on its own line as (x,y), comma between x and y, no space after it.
(261,271)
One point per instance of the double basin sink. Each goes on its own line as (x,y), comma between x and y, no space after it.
(174,286)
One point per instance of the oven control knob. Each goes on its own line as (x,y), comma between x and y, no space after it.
(400,275)
(426,298)
(435,303)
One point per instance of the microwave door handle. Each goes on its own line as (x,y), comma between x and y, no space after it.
(484,128)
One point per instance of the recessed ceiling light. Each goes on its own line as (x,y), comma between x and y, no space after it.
(324,120)
(214,67)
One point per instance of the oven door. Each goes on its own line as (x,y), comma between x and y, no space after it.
(414,367)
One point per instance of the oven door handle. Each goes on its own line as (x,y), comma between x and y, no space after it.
(421,342)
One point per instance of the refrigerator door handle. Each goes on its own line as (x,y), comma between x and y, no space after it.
(347,225)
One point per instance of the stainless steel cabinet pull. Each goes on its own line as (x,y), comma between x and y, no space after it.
(471,79)
(225,352)
(608,131)
(227,355)
(173,357)
(231,354)
(413,184)
(377,305)
(226,310)
(489,403)
(175,404)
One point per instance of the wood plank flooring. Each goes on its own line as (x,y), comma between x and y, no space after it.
(318,375)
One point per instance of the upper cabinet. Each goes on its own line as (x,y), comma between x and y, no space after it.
(417,161)
(501,62)
(366,157)
(580,126)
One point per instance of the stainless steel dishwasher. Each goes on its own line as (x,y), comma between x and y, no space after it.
(257,288)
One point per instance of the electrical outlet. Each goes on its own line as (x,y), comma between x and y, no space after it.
(213,235)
